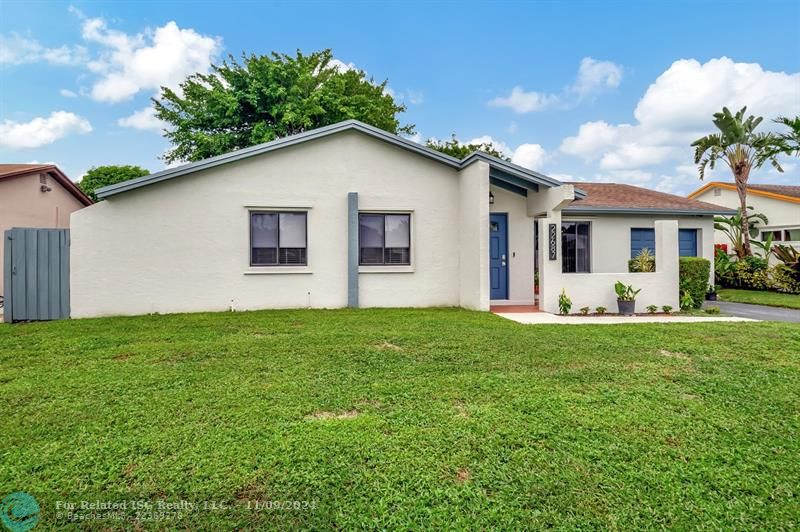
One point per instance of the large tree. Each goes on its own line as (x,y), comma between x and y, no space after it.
(742,149)
(458,150)
(263,98)
(102,176)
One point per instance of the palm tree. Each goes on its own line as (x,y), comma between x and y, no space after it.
(791,138)
(738,146)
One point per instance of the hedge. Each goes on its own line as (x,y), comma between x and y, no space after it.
(694,273)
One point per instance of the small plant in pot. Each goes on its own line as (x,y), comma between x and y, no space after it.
(626,298)
(711,293)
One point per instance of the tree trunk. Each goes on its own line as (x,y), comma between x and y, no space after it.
(742,175)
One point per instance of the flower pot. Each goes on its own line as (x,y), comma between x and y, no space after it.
(711,296)
(626,307)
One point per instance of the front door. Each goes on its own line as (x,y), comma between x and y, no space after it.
(498,256)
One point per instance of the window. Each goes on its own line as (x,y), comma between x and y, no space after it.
(384,239)
(792,235)
(575,256)
(777,236)
(687,242)
(642,238)
(278,238)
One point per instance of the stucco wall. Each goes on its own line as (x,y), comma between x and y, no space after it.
(23,204)
(520,243)
(183,245)
(611,237)
(597,288)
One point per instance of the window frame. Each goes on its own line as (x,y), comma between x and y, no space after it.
(385,264)
(277,264)
(588,223)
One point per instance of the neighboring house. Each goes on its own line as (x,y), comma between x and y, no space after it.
(350,215)
(779,203)
(36,195)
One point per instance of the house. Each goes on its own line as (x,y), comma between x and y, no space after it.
(36,195)
(350,215)
(779,203)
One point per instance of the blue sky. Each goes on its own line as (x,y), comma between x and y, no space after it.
(602,91)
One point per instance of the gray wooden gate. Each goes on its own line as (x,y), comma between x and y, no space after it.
(36,274)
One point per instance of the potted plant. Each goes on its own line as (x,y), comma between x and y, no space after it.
(711,293)
(626,297)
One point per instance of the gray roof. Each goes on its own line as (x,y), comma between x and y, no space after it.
(524,175)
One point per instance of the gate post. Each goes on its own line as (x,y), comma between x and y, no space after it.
(7,317)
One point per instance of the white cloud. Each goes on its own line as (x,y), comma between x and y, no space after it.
(41,131)
(530,156)
(17,50)
(145,61)
(677,108)
(143,119)
(593,76)
(66,93)
(522,102)
(596,75)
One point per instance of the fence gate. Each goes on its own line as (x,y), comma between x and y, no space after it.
(36,274)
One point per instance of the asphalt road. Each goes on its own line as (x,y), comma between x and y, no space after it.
(756,312)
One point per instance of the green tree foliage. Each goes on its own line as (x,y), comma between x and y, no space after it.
(791,138)
(456,149)
(265,97)
(742,149)
(102,176)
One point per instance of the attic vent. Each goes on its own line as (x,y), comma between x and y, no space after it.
(717,192)
(43,179)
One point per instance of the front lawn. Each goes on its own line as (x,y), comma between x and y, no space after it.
(760,297)
(402,418)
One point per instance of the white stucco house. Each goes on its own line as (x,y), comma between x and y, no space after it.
(350,215)
(779,203)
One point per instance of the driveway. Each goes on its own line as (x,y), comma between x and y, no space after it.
(757,312)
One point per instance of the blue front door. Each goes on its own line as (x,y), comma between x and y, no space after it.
(498,256)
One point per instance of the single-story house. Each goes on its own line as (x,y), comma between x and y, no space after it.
(350,215)
(36,195)
(779,203)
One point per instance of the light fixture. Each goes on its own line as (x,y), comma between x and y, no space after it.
(491,198)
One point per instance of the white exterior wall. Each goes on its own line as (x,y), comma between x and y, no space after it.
(781,214)
(182,245)
(597,288)
(611,238)
(520,244)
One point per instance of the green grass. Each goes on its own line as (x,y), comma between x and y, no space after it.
(405,419)
(760,297)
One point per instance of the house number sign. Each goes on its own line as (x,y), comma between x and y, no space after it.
(551,230)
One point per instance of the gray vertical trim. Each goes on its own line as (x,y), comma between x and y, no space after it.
(63,260)
(7,314)
(352,249)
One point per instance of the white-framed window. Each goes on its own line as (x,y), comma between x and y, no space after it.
(278,238)
(384,239)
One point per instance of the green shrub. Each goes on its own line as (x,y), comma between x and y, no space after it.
(652,309)
(687,301)
(711,310)
(784,279)
(644,262)
(584,311)
(693,274)
(667,309)
(564,303)
(601,310)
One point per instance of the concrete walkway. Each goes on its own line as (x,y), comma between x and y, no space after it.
(542,318)
(756,312)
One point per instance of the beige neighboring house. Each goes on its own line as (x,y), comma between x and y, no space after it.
(779,203)
(36,195)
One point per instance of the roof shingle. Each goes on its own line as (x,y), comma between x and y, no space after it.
(617,196)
